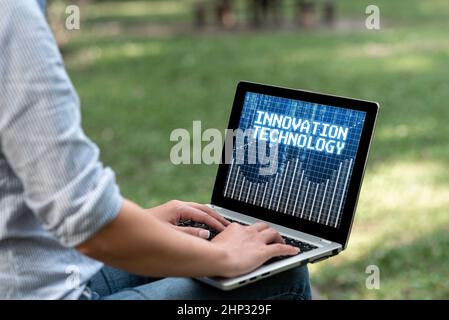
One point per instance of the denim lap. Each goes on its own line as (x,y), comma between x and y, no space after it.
(114,284)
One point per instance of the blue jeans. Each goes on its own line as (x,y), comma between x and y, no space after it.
(114,284)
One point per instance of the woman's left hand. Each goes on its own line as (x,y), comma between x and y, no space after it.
(174,211)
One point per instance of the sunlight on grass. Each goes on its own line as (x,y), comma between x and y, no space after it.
(435,7)
(405,188)
(91,55)
(401,205)
(410,131)
(304,55)
(412,269)
(368,57)
(136,8)
(394,49)
(400,196)
(413,64)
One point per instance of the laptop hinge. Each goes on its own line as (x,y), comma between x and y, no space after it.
(327,256)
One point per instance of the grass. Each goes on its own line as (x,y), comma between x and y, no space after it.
(136,12)
(136,90)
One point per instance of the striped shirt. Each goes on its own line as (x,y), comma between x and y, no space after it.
(54,191)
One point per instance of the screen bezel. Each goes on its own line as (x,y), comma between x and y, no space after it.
(340,234)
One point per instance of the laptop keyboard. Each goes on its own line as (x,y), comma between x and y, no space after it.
(303,246)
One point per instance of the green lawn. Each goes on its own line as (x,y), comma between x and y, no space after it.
(135,90)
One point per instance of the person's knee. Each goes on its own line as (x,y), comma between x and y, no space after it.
(297,279)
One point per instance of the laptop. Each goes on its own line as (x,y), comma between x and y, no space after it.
(306,187)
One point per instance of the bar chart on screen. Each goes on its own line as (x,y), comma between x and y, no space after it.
(291,191)
(315,150)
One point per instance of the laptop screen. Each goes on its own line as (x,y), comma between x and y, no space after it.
(299,157)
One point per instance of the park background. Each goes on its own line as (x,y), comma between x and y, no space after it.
(144,68)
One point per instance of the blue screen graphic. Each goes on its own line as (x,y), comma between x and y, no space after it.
(316,149)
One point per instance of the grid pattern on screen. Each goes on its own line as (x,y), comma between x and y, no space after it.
(308,184)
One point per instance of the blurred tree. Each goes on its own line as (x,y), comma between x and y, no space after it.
(263,10)
(329,15)
(200,14)
(224,13)
(306,13)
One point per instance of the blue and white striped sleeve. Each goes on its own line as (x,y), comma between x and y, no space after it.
(65,184)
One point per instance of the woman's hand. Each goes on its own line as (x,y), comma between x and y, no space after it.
(149,244)
(248,247)
(174,211)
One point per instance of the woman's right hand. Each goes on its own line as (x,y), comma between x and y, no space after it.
(248,247)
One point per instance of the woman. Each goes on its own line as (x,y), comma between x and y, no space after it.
(62,214)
